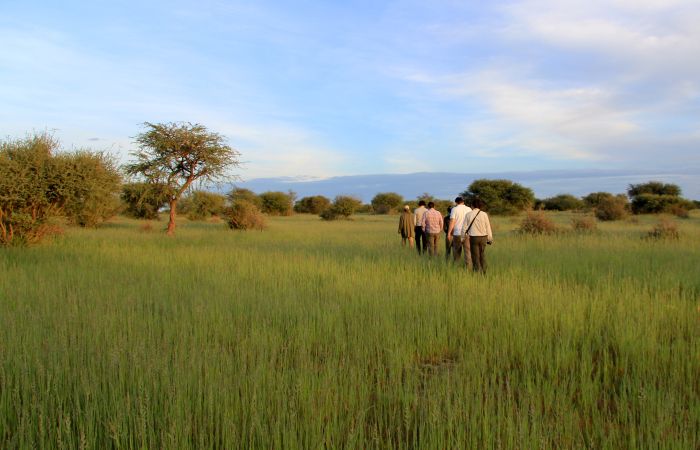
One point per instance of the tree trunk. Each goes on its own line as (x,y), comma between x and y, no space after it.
(171,223)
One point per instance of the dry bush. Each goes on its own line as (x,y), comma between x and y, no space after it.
(679,211)
(584,223)
(535,222)
(612,208)
(244,215)
(146,227)
(664,229)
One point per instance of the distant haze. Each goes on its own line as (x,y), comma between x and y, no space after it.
(448,185)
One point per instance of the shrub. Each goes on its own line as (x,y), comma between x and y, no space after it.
(593,199)
(654,188)
(563,202)
(244,215)
(535,222)
(90,184)
(584,223)
(656,204)
(276,203)
(679,211)
(238,194)
(386,202)
(500,196)
(611,208)
(312,205)
(143,200)
(201,205)
(343,207)
(664,229)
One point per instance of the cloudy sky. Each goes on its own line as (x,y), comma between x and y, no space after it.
(324,88)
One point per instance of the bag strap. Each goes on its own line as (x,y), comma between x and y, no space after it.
(472,223)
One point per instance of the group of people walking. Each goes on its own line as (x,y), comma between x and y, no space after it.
(467,231)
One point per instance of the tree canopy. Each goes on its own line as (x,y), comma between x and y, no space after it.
(177,154)
(500,196)
(386,202)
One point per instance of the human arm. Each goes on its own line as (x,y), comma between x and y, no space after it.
(489,233)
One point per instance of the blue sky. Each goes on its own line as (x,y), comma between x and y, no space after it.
(310,88)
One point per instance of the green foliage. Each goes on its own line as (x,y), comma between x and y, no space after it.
(244,215)
(563,202)
(275,203)
(501,196)
(656,204)
(90,184)
(584,223)
(238,194)
(612,207)
(387,202)
(37,185)
(30,189)
(143,200)
(593,199)
(654,188)
(178,154)
(201,205)
(343,207)
(312,205)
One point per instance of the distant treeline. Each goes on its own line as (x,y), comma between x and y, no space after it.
(42,187)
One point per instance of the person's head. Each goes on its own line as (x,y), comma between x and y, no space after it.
(406,208)
(449,209)
(421,203)
(431,205)
(459,200)
(478,203)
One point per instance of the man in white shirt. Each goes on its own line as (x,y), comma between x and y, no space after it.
(421,242)
(477,230)
(454,233)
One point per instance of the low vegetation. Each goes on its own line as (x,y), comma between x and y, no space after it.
(332,335)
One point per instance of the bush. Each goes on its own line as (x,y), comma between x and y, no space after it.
(654,188)
(664,229)
(244,215)
(37,186)
(276,203)
(500,196)
(679,211)
(201,205)
(593,199)
(143,200)
(563,202)
(90,184)
(238,194)
(312,205)
(535,222)
(584,223)
(612,208)
(656,204)
(343,207)
(387,202)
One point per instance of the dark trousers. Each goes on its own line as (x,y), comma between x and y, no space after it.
(478,250)
(461,246)
(421,241)
(448,247)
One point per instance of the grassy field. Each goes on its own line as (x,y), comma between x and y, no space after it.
(330,335)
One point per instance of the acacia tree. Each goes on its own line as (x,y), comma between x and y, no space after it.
(177,154)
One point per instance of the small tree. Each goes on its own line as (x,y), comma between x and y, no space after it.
(500,196)
(244,215)
(178,154)
(143,200)
(593,199)
(343,207)
(386,202)
(276,203)
(612,208)
(312,205)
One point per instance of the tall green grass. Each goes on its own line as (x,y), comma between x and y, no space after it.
(330,335)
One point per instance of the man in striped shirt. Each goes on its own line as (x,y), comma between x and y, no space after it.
(432,226)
